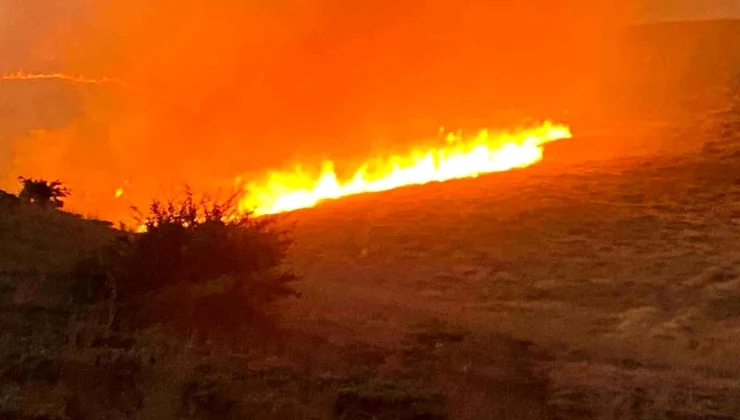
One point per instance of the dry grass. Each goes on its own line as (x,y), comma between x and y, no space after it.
(622,274)
(625,271)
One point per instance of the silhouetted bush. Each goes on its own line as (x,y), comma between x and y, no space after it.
(201,263)
(43,192)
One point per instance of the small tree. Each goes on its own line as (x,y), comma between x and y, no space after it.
(43,192)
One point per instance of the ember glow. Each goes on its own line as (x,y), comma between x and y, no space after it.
(461,157)
(120,191)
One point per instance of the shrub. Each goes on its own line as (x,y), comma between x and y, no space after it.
(198,262)
(43,192)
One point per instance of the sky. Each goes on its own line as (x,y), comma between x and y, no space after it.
(236,87)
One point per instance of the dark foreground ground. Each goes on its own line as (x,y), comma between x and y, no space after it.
(601,284)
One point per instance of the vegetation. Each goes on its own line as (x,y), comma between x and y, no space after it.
(43,192)
(199,264)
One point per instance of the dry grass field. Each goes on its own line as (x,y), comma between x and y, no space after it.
(623,272)
(603,283)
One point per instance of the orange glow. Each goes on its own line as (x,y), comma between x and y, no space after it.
(461,157)
(244,87)
(119,192)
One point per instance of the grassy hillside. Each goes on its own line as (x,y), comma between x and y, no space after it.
(597,285)
(607,290)
(36,245)
(46,240)
(626,272)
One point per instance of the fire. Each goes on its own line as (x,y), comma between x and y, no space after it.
(461,157)
(120,191)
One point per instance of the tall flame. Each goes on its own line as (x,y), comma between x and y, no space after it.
(460,158)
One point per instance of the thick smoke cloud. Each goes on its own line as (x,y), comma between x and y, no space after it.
(235,87)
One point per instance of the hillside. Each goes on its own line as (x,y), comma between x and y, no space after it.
(607,289)
(625,271)
(602,283)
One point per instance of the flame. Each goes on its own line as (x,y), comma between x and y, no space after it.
(120,191)
(460,158)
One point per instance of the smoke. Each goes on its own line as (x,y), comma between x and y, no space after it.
(672,10)
(233,87)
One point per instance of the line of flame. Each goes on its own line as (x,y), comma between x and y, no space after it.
(460,158)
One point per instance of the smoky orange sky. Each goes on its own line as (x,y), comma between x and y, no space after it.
(234,87)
